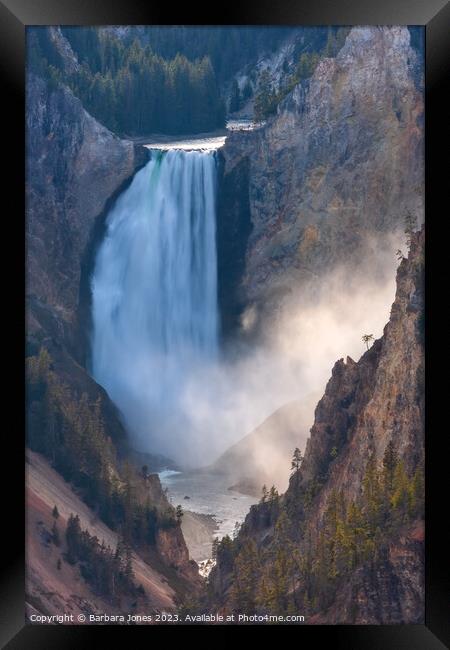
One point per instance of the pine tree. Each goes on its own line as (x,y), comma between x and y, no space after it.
(306,65)
(128,570)
(372,493)
(390,460)
(296,460)
(214,547)
(367,338)
(73,535)
(55,535)
(247,91)
(400,495)
(235,97)
(416,495)
(243,591)
(273,495)
(179,514)
(265,103)
(410,227)
(265,494)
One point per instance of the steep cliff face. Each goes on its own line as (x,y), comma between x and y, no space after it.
(379,399)
(389,592)
(369,408)
(233,229)
(75,170)
(74,167)
(341,160)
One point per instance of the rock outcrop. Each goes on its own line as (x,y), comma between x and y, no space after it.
(340,162)
(380,398)
(367,406)
(75,168)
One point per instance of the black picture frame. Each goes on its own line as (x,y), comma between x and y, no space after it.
(15,16)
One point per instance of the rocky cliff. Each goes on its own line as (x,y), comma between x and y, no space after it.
(388,381)
(353,512)
(341,161)
(75,170)
(55,586)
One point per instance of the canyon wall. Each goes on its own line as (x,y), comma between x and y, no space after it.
(339,165)
(367,406)
(75,170)
(75,167)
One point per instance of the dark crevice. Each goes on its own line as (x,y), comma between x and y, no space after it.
(233,230)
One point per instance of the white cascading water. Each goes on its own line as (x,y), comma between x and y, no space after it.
(154,295)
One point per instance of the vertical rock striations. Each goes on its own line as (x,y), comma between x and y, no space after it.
(341,160)
(74,167)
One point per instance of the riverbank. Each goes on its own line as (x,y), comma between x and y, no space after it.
(210,503)
(199,531)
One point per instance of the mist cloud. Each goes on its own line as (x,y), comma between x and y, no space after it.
(292,360)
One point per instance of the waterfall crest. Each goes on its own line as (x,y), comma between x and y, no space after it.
(154,294)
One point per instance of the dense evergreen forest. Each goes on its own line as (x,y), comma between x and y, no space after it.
(145,80)
(129,88)
(142,80)
(228,48)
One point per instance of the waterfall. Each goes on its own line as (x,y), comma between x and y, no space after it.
(154,294)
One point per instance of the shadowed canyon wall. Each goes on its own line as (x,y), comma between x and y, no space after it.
(342,159)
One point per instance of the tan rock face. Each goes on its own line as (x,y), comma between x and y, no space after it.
(342,159)
(171,548)
(74,166)
(378,399)
(365,406)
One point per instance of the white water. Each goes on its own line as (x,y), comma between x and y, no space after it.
(154,291)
